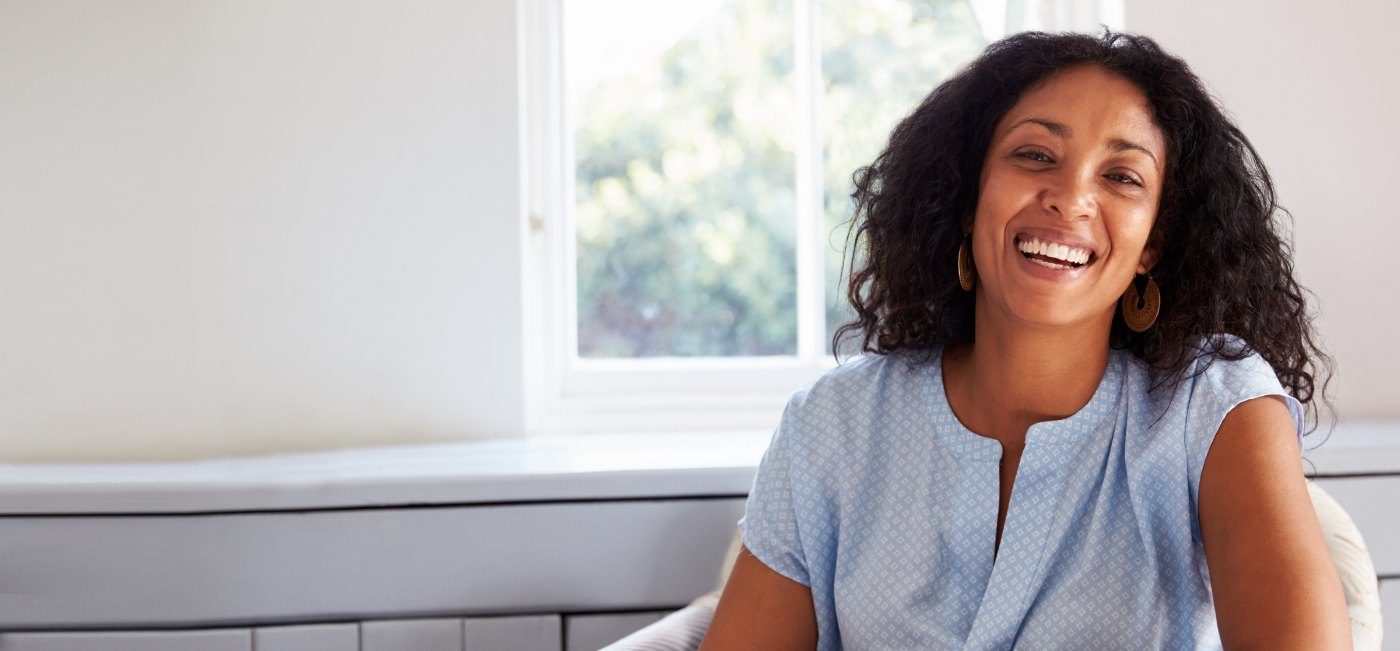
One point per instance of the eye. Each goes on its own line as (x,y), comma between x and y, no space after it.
(1124,179)
(1037,156)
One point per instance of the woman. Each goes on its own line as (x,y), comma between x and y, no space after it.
(1080,425)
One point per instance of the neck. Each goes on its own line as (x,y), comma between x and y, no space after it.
(1013,376)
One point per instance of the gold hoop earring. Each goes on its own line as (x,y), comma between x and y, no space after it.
(1140,311)
(967,274)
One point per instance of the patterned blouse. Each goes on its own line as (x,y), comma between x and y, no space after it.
(873,494)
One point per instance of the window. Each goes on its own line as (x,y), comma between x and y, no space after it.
(690,180)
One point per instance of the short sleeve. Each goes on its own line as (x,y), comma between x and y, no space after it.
(1221,387)
(770,519)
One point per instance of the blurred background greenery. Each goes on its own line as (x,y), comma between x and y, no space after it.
(684,126)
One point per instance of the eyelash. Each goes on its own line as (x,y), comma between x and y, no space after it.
(1027,155)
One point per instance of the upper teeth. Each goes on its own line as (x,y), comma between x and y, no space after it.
(1054,250)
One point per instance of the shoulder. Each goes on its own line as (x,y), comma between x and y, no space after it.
(1230,376)
(1217,396)
(1225,402)
(858,383)
(839,415)
(1229,370)
(1225,372)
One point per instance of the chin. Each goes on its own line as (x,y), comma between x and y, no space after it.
(1049,316)
(1052,322)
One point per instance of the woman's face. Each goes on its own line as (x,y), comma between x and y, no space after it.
(1074,171)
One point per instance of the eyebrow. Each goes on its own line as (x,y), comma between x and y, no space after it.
(1063,131)
(1120,144)
(1054,127)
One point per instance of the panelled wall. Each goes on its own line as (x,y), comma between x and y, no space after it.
(536,574)
(533,632)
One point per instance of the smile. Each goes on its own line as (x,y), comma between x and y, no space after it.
(1053,254)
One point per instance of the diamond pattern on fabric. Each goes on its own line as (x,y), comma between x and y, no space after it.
(877,498)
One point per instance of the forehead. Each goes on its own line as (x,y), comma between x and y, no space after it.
(1095,104)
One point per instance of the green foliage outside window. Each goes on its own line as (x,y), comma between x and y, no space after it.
(684,200)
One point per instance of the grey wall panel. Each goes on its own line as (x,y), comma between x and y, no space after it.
(521,633)
(310,637)
(412,635)
(222,570)
(593,632)
(1374,504)
(221,640)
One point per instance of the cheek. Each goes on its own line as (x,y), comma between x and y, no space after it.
(1133,228)
(1001,196)
(1129,233)
(999,180)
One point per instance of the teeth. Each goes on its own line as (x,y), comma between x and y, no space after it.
(1050,264)
(1055,250)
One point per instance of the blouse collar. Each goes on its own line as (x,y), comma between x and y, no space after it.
(969,445)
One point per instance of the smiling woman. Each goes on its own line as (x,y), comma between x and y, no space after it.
(1068,173)
(1074,287)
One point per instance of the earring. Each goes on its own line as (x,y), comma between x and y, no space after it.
(1140,311)
(967,274)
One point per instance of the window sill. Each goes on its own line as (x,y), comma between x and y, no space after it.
(563,468)
(537,469)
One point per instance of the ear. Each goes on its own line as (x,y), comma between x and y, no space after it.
(1149,260)
(1150,254)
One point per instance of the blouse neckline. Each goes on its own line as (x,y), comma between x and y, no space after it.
(972,446)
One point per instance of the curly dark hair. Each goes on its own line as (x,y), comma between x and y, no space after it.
(1224,266)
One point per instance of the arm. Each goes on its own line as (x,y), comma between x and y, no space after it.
(761,609)
(1274,582)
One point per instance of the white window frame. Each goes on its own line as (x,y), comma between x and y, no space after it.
(566,394)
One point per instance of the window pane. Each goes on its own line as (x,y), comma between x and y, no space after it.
(879,59)
(684,176)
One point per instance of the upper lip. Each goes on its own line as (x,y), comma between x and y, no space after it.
(1059,237)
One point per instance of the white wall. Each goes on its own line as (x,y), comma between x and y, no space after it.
(245,226)
(1316,88)
(239,226)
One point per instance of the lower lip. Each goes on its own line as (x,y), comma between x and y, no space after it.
(1042,271)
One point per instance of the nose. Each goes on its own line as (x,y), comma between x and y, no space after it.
(1070,196)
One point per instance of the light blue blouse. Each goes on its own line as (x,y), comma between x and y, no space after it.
(874,495)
